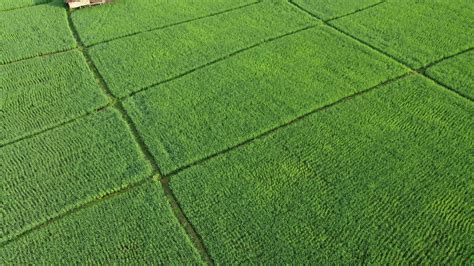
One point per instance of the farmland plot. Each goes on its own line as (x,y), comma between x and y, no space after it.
(328,9)
(375,180)
(219,106)
(457,72)
(127,17)
(34,31)
(52,172)
(12,4)
(43,92)
(131,64)
(134,227)
(415,32)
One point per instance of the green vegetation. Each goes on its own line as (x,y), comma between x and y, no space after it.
(34,31)
(375,180)
(281,131)
(415,32)
(12,4)
(44,92)
(328,9)
(133,63)
(231,101)
(127,17)
(136,227)
(457,72)
(51,173)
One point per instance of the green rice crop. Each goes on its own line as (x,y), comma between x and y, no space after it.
(43,92)
(135,227)
(328,9)
(217,107)
(131,64)
(125,17)
(34,31)
(50,173)
(415,32)
(457,72)
(12,4)
(383,178)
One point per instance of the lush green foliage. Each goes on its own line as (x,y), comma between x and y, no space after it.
(50,173)
(140,61)
(457,72)
(375,180)
(126,17)
(11,4)
(415,32)
(34,31)
(136,227)
(231,101)
(327,9)
(45,91)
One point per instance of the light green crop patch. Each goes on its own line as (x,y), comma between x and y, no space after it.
(53,172)
(327,9)
(46,91)
(143,60)
(229,102)
(378,179)
(125,17)
(12,4)
(135,227)
(34,31)
(457,72)
(415,32)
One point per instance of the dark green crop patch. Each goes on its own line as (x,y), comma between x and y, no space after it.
(373,181)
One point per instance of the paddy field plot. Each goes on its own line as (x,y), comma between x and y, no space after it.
(237,132)
(45,91)
(34,31)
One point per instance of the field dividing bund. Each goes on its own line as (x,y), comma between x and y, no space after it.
(36,185)
(333,9)
(421,69)
(446,29)
(134,226)
(136,63)
(193,237)
(456,72)
(44,92)
(245,95)
(128,17)
(44,26)
(328,186)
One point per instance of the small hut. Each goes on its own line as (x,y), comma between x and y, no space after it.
(81,3)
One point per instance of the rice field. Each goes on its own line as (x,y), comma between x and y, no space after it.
(237,132)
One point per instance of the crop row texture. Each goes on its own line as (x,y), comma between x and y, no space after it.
(43,92)
(224,104)
(376,180)
(51,173)
(34,31)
